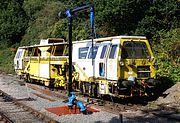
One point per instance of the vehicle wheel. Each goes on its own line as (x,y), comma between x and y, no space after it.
(87,88)
(82,87)
(20,77)
(28,79)
(94,90)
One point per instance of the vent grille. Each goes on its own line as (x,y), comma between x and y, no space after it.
(143,68)
(143,72)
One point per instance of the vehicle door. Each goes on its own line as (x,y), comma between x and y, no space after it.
(112,62)
(101,60)
(18,60)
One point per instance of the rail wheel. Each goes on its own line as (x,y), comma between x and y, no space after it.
(82,87)
(75,85)
(20,77)
(28,79)
(87,88)
(94,90)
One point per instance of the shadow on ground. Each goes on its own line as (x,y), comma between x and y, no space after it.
(151,117)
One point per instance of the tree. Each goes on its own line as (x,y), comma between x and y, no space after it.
(13,21)
(162,15)
(119,17)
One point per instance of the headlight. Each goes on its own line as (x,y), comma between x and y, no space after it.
(121,63)
(150,59)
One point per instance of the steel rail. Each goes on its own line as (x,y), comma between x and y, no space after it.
(34,112)
(4,118)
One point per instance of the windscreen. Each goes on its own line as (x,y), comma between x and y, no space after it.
(135,50)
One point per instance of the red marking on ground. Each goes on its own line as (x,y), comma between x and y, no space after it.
(65,111)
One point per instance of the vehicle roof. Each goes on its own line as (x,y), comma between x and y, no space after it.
(88,40)
(42,45)
(110,38)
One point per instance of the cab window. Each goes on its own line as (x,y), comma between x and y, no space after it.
(93,55)
(83,52)
(103,53)
(135,50)
(112,54)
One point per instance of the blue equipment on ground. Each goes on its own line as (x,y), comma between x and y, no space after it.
(81,106)
(73,101)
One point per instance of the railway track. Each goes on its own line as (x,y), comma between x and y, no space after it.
(4,118)
(109,106)
(120,109)
(13,111)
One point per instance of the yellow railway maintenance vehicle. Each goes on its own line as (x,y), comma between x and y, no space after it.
(45,63)
(117,66)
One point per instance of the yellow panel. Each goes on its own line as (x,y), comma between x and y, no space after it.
(130,65)
(34,69)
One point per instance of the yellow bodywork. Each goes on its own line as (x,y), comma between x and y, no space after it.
(130,65)
(46,63)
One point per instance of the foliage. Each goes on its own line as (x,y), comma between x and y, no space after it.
(119,17)
(6,61)
(41,21)
(25,22)
(32,7)
(13,21)
(168,54)
(162,15)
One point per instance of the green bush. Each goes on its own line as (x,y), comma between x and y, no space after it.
(6,61)
(167,51)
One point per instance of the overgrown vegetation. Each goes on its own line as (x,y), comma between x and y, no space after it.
(167,51)
(25,22)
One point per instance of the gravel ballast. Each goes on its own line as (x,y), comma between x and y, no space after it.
(11,85)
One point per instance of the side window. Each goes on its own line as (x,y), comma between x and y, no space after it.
(18,54)
(30,50)
(83,52)
(113,52)
(103,53)
(95,49)
(37,52)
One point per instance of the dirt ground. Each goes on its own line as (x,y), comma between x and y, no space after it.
(171,96)
(167,105)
